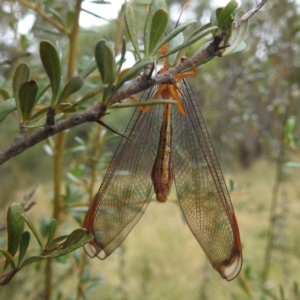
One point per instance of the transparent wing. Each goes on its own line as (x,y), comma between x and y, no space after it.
(201,189)
(127,186)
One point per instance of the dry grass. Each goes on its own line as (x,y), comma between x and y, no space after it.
(160,259)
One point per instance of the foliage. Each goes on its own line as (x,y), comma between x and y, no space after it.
(44,93)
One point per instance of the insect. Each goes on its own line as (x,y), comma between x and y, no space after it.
(167,143)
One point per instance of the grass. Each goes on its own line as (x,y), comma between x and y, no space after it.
(160,259)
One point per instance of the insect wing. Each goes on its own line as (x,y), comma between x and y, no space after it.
(201,189)
(127,186)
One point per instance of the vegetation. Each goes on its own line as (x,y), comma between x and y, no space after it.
(51,89)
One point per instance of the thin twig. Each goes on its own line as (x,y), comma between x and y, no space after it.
(36,8)
(25,201)
(96,112)
(250,13)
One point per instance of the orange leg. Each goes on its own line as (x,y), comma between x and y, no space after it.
(168,91)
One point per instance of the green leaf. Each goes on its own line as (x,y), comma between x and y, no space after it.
(227,12)
(158,26)
(191,40)
(172,35)
(134,70)
(66,108)
(21,75)
(74,85)
(42,92)
(9,258)
(123,53)
(32,260)
(202,28)
(154,6)
(238,34)
(240,47)
(15,227)
(6,107)
(33,229)
(105,59)
(27,97)
(74,237)
(76,240)
(131,28)
(57,240)
(292,165)
(56,15)
(4,93)
(215,15)
(24,245)
(51,63)
(174,43)
(52,228)
(289,127)
(91,67)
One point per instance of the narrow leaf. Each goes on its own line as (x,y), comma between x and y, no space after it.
(155,5)
(174,43)
(289,126)
(237,36)
(4,93)
(52,229)
(240,47)
(72,247)
(172,35)
(15,227)
(131,28)
(42,92)
(27,98)
(91,67)
(159,24)
(227,12)
(191,40)
(123,53)
(32,260)
(21,75)
(214,16)
(74,237)
(9,258)
(56,241)
(33,229)
(105,59)
(133,71)
(66,107)
(6,107)
(24,245)
(51,63)
(292,165)
(74,85)
(202,28)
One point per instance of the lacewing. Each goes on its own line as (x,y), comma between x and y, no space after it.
(167,143)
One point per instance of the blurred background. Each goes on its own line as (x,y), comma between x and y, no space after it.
(250,102)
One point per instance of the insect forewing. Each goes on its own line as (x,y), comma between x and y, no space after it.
(127,186)
(201,189)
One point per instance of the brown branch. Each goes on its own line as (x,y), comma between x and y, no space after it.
(36,8)
(19,146)
(96,112)
(250,13)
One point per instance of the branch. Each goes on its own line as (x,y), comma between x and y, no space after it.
(250,13)
(96,112)
(36,8)
(90,115)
